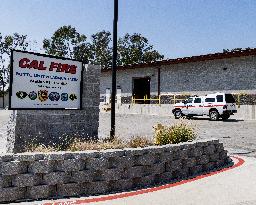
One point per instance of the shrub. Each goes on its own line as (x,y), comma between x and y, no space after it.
(162,135)
(180,132)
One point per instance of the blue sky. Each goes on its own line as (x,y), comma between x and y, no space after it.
(176,28)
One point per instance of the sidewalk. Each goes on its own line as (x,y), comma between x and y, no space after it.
(236,186)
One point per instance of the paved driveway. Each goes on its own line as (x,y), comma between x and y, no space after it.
(232,187)
(236,186)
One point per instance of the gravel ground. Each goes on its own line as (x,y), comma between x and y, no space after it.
(237,135)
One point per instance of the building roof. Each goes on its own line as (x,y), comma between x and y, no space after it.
(213,56)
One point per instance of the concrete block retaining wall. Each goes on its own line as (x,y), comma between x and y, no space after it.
(32,176)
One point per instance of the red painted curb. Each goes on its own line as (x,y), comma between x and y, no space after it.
(144,191)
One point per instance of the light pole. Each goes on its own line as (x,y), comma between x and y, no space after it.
(113,94)
(2,79)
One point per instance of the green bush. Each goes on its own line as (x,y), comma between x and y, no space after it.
(180,132)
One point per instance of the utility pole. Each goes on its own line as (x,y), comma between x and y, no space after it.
(113,94)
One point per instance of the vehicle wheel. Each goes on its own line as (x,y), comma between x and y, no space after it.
(177,114)
(225,116)
(189,117)
(214,115)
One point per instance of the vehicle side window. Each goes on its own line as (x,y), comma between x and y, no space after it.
(209,99)
(219,98)
(189,100)
(197,100)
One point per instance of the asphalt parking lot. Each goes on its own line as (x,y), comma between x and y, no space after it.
(239,136)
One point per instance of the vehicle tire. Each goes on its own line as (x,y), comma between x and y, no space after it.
(214,115)
(177,114)
(189,117)
(225,116)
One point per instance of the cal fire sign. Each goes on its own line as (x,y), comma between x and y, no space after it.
(44,82)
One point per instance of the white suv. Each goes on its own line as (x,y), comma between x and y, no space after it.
(218,105)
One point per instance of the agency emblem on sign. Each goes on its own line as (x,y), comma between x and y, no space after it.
(42,95)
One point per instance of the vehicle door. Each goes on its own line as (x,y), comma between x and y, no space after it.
(189,104)
(197,108)
(208,104)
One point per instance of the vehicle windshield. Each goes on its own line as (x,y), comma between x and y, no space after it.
(229,98)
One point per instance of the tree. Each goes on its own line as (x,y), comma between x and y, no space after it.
(136,49)
(131,49)
(7,43)
(101,50)
(67,42)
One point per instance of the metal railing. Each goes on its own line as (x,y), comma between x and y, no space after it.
(239,98)
(173,100)
(147,99)
(174,97)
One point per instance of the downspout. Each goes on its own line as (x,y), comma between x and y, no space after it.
(158,81)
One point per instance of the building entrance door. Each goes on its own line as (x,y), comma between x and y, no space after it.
(141,89)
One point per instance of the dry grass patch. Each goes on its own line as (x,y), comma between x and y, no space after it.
(41,148)
(82,145)
(139,141)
